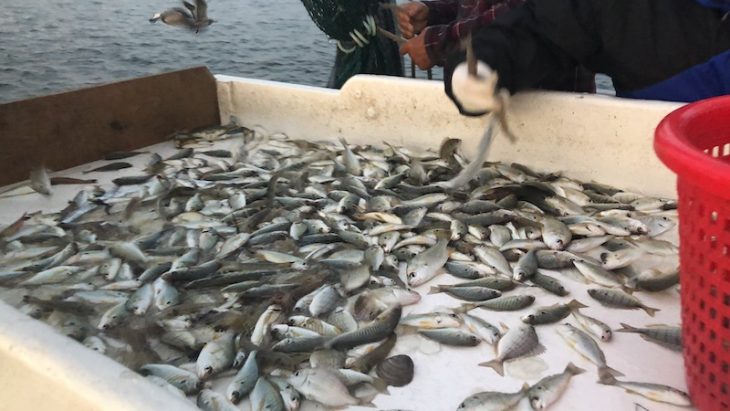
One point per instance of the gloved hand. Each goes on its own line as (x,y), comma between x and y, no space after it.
(476,94)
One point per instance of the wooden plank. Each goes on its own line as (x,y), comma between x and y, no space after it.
(76,127)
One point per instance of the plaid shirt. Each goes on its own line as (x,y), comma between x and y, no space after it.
(450,21)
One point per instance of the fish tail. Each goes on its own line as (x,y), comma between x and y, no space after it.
(435,290)
(650,310)
(381,386)
(605,376)
(496,364)
(625,328)
(464,308)
(608,374)
(573,369)
(575,304)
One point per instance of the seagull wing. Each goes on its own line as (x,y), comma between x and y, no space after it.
(191,8)
(202,10)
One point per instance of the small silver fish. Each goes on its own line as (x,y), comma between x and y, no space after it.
(655,392)
(665,335)
(587,347)
(493,401)
(619,299)
(546,391)
(520,341)
(423,267)
(216,356)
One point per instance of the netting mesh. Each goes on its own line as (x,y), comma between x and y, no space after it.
(360,50)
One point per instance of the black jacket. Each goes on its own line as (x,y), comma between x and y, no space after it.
(675,50)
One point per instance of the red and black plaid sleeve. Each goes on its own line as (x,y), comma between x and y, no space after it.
(441,11)
(442,39)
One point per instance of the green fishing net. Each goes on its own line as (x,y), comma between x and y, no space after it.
(360,50)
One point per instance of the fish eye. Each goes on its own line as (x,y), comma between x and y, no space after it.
(452,315)
(412,275)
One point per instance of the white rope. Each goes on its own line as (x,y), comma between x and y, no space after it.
(363,39)
(360,39)
(345,50)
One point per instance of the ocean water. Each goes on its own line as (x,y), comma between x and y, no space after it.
(53,46)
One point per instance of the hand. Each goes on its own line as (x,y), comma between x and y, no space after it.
(412,18)
(475,94)
(416,48)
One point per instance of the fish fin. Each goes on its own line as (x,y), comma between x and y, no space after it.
(575,304)
(625,328)
(464,308)
(650,310)
(606,377)
(497,365)
(381,386)
(539,349)
(608,373)
(573,369)
(368,405)
(503,326)
(627,289)
(435,290)
(525,387)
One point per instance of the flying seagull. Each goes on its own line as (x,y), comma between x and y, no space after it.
(192,17)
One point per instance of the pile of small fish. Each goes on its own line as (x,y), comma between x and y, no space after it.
(284,265)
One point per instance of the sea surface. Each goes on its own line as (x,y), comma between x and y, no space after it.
(53,46)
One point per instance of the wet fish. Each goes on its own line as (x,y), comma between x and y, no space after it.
(380,328)
(245,380)
(655,392)
(586,346)
(665,335)
(520,341)
(504,303)
(493,401)
(474,293)
(323,386)
(595,327)
(619,299)
(549,389)
(424,266)
(217,355)
(553,313)
(451,336)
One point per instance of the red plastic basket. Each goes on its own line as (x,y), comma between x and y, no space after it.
(694,141)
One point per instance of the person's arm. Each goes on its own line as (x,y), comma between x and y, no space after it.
(521,48)
(442,39)
(441,11)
